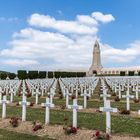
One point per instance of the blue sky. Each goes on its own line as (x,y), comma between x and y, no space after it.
(119,37)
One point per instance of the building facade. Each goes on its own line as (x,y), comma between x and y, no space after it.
(96,61)
(96,67)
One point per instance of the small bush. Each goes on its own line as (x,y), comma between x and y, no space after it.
(124,111)
(28,95)
(19,94)
(136,100)
(14,121)
(113,94)
(63,107)
(36,125)
(99,136)
(73,97)
(4,93)
(31,104)
(116,99)
(70,130)
(61,96)
(17,104)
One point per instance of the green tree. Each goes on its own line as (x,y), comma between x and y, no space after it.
(42,74)
(22,74)
(33,74)
(3,75)
(122,73)
(50,74)
(131,73)
(12,75)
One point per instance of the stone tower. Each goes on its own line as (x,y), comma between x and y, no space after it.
(96,62)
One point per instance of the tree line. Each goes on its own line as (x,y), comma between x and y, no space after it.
(4,75)
(23,74)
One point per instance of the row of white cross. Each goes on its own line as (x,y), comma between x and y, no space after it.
(127,96)
(120,84)
(79,85)
(49,104)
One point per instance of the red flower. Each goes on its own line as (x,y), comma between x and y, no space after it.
(29,95)
(73,97)
(97,134)
(31,104)
(65,119)
(74,130)
(108,137)
(14,121)
(19,94)
(37,127)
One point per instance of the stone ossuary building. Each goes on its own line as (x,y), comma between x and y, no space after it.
(97,68)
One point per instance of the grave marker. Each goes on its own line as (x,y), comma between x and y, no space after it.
(75,107)
(47,105)
(107,108)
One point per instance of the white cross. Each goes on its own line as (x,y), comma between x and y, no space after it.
(67,94)
(75,107)
(72,88)
(85,95)
(23,87)
(4,102)
(48,105)
(81,88)
(77,89)
(1,93)
(23,91)
(12,95)
(119,91)
(24,103)
(139,112)
(51,94)
(42,90)
(104,95)
(128,86)
(63,90)
(36,95)
(107,108)
(137,90)
(115,87)
(6,90)
(128,97)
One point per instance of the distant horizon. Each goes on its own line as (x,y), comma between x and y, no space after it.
(52,35)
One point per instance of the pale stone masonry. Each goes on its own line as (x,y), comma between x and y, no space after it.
(96,67)
(96,62)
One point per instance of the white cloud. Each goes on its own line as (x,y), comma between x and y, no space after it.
(60,12)
(85,19)
(31,43)
(10,19)
(121,55)
(62,26)
(19,62)
(69,47)
(2,18)
(103,18)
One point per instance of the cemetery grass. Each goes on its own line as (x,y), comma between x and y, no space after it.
(122,124)
(90,103)
(10,135)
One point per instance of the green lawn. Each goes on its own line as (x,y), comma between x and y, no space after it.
(120,124)
(90,103)
(9,135)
